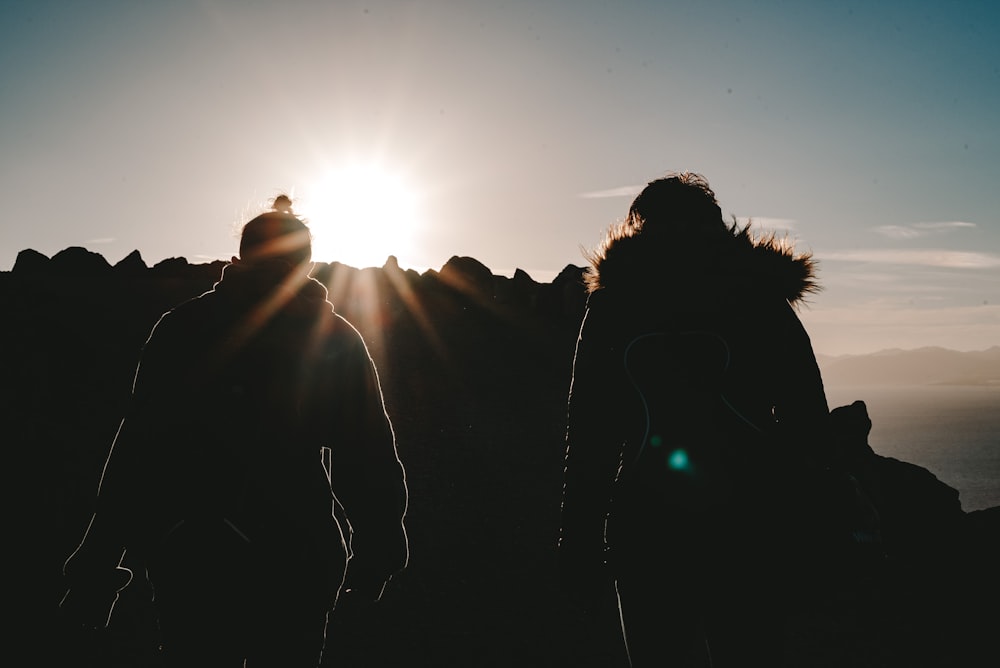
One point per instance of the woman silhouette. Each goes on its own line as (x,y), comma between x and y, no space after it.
(694,390)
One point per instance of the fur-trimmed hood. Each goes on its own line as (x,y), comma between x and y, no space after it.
(631,260)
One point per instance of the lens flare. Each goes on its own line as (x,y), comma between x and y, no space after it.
(678,460)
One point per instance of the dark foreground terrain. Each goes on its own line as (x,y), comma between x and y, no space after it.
(475,370)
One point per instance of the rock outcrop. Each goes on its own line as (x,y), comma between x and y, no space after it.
(475,369)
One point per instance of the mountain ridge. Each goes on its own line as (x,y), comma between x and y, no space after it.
(928,365)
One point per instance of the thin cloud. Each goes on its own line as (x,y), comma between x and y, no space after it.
(763,222)
(864,279)
(916,230)
(101,240)
(925,258)
(621,191)
(890,312)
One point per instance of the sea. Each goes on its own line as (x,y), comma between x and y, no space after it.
(951,430)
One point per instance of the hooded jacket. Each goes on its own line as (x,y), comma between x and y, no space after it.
(702,334)
(235,395)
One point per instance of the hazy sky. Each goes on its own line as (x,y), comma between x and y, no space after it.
(520,130)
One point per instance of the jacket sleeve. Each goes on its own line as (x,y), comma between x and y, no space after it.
(801,410)
(367,476)
(94,562)
(95,570)
(598,414)
(131,484)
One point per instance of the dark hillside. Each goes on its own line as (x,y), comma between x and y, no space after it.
(475,370)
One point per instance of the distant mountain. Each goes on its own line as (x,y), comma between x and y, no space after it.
(922,366)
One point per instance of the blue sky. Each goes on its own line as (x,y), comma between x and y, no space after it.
(869,133)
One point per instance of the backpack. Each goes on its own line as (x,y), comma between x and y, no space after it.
(694,442)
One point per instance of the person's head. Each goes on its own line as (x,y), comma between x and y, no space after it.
(677,205)
(277,236)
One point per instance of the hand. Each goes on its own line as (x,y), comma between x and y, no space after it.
(90,605)
(584,579)
(364,583)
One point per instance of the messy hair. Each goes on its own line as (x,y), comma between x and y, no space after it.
(680,205)
(681,201)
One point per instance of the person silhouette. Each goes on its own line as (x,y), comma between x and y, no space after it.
(695,396)
(256,419)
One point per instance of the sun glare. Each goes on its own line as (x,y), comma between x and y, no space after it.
(360,215)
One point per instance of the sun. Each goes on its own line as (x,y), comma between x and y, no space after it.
(360,214)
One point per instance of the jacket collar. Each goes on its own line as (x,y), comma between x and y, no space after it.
(631,260)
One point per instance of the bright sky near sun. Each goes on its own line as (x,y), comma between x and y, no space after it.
(515,132)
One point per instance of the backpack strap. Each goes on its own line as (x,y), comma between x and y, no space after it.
(693,437)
